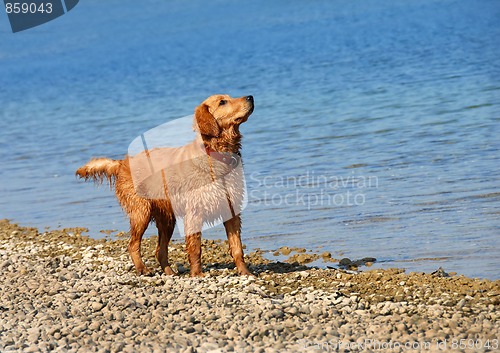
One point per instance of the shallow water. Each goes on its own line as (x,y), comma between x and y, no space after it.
(375,131)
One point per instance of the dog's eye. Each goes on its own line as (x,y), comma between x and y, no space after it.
(222,102)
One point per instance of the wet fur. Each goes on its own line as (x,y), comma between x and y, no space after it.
(218,125)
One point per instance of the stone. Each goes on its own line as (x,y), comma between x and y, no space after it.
(97,306)
(345,261)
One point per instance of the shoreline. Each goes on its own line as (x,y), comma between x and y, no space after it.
(323,257)
(61,291)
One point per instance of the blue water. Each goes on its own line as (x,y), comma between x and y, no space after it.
(375,131)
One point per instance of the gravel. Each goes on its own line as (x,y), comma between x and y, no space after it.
(64,292)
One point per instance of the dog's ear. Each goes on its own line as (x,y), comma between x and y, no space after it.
(207,125)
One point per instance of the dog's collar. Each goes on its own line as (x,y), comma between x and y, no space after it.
(228,158)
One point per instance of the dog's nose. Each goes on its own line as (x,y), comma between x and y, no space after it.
(249,98)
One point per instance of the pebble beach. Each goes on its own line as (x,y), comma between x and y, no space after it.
(63,291)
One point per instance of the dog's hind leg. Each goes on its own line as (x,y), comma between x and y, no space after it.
(140,217)
(165,225)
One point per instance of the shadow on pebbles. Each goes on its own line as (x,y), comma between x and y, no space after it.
(62,291)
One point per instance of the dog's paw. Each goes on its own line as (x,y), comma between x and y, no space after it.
(169,272)
(144,271)
(198,274)
(243,271)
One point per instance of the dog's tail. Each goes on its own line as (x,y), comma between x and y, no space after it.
(99,168)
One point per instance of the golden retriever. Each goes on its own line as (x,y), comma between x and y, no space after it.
(200,182)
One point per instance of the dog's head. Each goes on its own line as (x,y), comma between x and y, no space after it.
(221,112)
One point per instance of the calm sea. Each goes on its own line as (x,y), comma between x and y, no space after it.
(376,128)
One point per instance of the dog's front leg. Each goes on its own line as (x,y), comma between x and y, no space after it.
(192,229)
(193,248)
(233,231)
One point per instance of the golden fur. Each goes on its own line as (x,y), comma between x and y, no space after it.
(198,187)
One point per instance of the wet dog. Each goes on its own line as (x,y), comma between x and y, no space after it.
(198,182)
